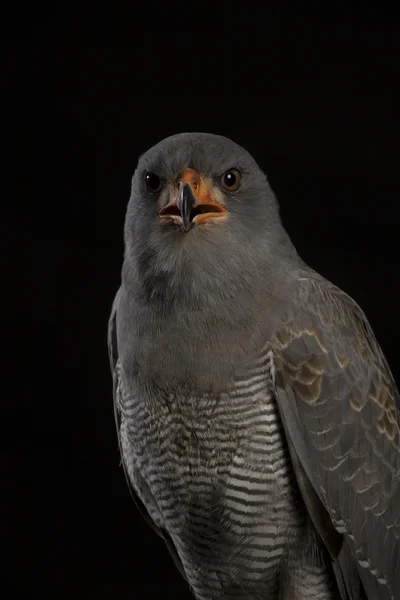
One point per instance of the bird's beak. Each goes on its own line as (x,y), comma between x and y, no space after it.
(186,201)
(194,203)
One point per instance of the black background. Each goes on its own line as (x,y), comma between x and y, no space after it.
(312,97)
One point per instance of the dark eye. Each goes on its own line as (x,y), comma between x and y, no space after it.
(153,183)
(231,180)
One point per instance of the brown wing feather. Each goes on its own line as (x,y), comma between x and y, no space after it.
(338,399)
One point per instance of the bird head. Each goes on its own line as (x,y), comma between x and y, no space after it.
(200,205)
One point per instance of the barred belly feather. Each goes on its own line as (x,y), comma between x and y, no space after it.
(221,479)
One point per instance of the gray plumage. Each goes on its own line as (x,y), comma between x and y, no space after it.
(255,410)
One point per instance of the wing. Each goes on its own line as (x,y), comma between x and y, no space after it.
(140,491)
(337,398)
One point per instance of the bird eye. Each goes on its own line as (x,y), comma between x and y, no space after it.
(231,180)
(153,183)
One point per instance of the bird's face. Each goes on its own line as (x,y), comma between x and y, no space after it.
(197,198)
(193,199)
(194,181)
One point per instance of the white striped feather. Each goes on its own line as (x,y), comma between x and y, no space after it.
(219,472)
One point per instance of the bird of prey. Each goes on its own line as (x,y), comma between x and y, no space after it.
(257,417)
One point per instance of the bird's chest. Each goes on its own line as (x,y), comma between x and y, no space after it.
(219,471)
(231,460)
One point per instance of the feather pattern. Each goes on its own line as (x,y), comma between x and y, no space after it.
(340,403)
(214,474)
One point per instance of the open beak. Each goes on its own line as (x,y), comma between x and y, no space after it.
(194,203)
